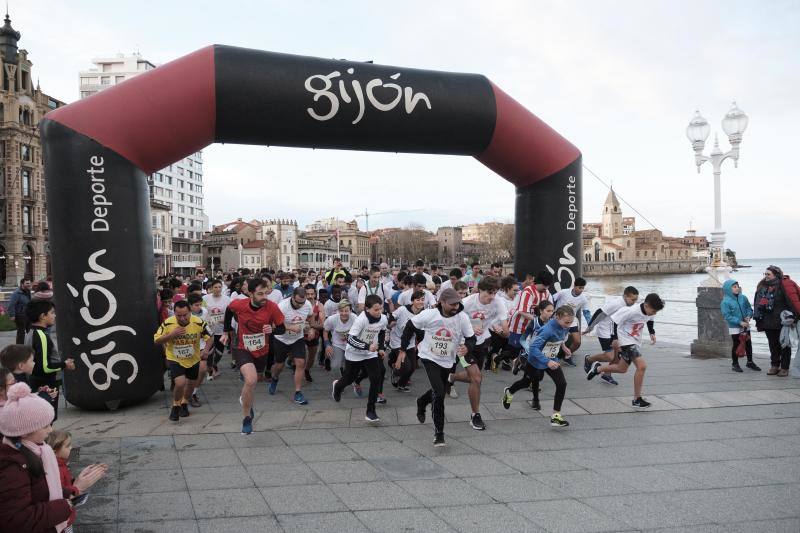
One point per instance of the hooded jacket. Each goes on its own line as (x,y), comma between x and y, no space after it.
(735,308)
(552,332)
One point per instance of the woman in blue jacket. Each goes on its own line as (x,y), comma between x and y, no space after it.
(737,312)
(543,359)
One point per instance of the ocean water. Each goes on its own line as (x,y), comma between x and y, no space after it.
(677,323)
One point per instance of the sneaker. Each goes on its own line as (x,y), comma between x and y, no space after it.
(381,398)
(309,379)
(593,371)
(477,422)
(394,378)
(535,405)
(453,393)
(247,425)
(736,368)
(184,410)
(421,411)
(507,397)
(586,364)
(569,362)
(174,413)
(252,413)
(515,368)
(752,366)
(403,388)
(336,396)
(783,373)
(327,365)
(299,399)
(357,390)
(195,401)
(773,370)
(233,365)
(607,379)
(640,403)
(371,416)
(273,386)
(557,421)
(438,440)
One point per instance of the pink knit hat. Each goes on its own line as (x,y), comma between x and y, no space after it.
(24,412)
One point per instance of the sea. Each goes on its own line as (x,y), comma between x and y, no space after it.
(677,323)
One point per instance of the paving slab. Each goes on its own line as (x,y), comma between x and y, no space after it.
(419,520)
(482,518)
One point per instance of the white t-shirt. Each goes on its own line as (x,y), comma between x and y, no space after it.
(443,335)
(565,297)
(631,323)
(216,312)
(446,284)
(604,328)
(380,290)
(483,315)
(293,317)
(352,296)
(401,314)
(338,329)
(275,296)
(405,298)
(363,330)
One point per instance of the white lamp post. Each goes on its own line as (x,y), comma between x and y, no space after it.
(734,124)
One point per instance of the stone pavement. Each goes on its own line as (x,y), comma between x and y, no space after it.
(718,452)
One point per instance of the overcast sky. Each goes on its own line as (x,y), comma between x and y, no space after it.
(619,79)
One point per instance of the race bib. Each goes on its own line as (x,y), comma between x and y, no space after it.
(254,343)
(441,344)
(214,319)
(476,322)
(183,351)
(369,336)
(551,349)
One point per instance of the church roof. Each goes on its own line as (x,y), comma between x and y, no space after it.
(611,199)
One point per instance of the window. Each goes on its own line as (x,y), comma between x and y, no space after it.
(180,184)
(26,152)
(105,80)
(198,188)
(181,209)
(181,221)
(169,180)
(189,174)
(26,219)
(180,171)
(106,67)
(26,182)
(119,79)
(88,81)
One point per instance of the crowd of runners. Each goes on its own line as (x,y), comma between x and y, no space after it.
(452,326)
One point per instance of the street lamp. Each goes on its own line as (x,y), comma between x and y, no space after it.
(734,124)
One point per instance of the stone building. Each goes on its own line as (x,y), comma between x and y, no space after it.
(24,251)
(317,254)
(284,234)
(358,242)
(450,241)
(162,236)
(221,246)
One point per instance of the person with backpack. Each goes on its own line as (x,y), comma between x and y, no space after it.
(774,294)
(737,312)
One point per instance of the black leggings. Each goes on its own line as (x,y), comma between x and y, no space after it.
(778,357)
(534,376)
(372,367)
(406,368)
(748,348)
(216,353)
(437,375)
(363,374)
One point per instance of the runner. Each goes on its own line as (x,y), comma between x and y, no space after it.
(181,335)
(197,309)
(486,313)
(575,299)
(274,295)
(257,317)
(332,304)
(316,320)
(473,277)
(543,359)
(216,304)
(443,335)
(403,368)
(507,295)
(602,321)
(373,286)
(365,345)
(455,275)
(626,336)
(296,311)
(419,283)
(336,328)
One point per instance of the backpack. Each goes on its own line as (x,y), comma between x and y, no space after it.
(792,292)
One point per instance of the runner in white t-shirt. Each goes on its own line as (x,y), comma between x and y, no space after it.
(601,323)
(418,283)
(336,329)
(295,311)
(216,303)
(402,369)
(575,299)
(373,286)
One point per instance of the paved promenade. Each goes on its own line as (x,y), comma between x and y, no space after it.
(718,452)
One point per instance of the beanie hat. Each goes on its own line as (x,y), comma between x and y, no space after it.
(24,412)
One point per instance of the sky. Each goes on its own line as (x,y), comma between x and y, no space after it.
(619,79)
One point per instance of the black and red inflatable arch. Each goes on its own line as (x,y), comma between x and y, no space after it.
(99,151)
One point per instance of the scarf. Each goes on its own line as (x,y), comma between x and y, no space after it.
(765,298)
(51,472)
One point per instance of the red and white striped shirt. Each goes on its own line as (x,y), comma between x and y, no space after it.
(529,298)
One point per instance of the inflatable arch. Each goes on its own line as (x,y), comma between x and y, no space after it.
(99,151)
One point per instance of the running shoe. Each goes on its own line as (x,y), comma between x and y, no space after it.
(586,364)
(569,362)
(752,366)
(438,440)
(336,396)
(394,378)
(357,390)
(736,368)
(273,386)
(184,410)
(477,422)
(309,379)
(252,413)
(608,379)
(299,399)
(515,368)
(558,421)
(507,397)
(403,388)
(640,403)
(381,398)
(594,371)
(421,411)
(327,364)
(371,416)
(194,401)
(233,365)
(247,425)
(175,413)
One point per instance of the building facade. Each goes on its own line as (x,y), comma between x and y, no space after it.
(331,224)
(180,185)
(220,247)
(24,250)
(162,236)
(284,234)
(318,254)
(450,242)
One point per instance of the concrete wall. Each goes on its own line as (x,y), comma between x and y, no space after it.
(602,268)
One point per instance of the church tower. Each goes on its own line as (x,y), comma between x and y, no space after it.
(612,216)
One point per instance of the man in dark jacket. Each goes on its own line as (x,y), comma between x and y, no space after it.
(16,308)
